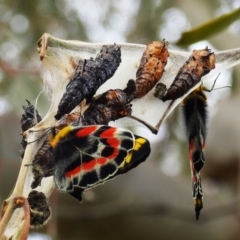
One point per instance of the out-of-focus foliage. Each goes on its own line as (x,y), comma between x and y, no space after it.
(23,22)
(208,29)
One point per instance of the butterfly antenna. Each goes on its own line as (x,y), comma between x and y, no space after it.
(220,88)
(50,128)
(212,88)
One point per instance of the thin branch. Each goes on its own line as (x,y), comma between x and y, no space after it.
(35,140)
(7,211)
(14,201)
(26,226)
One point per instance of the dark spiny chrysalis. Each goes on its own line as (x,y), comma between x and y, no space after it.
(200,63)
(109,106)
(40,211)
(88,77)
(151,68)
(30,118)
(108,61)
(195,114)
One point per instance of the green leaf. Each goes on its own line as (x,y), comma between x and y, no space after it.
(208,29)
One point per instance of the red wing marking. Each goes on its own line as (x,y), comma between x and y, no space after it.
(86,131)
(101,161)
(108,133)
(114,154)
(191,147)
(89,166)
(113,142)
(73,172)
(84,167)
(193,172)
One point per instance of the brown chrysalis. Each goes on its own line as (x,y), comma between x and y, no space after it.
(200,63)
(151,68)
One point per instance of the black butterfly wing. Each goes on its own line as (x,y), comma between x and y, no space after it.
(136,156)
(87,156)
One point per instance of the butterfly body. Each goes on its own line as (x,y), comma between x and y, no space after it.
(195,113)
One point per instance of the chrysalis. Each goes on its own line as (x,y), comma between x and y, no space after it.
(200,63)
(109,106)
(40,211)
(42,165)
(151,68)
(160,90)
(88,77)
(30,118)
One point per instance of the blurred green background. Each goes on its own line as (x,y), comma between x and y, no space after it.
(153,201)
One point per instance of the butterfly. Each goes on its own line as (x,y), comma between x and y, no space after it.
(88,76)
(87,156)
(109,106)
(83,157)
(195,115)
